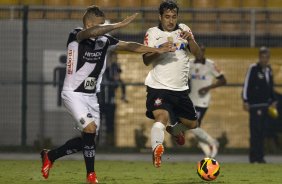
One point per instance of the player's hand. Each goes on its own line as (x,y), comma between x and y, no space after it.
(186,35)
(203,91)
(166,47)
(127,20)
(246,106)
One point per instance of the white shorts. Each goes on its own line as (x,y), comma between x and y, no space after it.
(83,107)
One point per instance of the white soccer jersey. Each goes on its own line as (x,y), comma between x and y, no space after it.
(202,75)
(170,70)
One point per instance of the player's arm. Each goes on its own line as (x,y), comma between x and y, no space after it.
(100,30)
(221,81)
(140,48)
(246,88)
(194,47)
(148,58)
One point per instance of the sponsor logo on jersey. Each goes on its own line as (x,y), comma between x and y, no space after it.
(70,61)
(198,77)
(92,56)
(90,83)
(158,102)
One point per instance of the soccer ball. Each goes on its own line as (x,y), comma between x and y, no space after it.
(208,169)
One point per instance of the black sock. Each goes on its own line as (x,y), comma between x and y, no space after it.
(89,151)
(71,146)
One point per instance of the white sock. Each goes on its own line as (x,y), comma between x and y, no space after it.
(203,136)
(157,134)
(178,127)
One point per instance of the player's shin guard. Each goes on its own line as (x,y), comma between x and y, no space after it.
(89,151)
(157,134)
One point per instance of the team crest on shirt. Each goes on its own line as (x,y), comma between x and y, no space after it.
(260,75)
(158,102)
(100,43)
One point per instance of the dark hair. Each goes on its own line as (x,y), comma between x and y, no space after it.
(263,50)
(92,10)
(168,5)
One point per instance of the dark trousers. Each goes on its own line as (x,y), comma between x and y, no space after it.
(258,117)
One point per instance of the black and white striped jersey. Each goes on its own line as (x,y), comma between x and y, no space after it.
(86,62)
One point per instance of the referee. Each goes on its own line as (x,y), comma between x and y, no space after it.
(258,95)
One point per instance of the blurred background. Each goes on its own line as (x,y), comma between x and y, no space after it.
(32,52)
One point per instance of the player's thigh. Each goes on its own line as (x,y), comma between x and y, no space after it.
(94,109)
(157,104)
(161,115)
(77,105)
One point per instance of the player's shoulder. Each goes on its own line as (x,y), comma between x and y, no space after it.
(76,30)
(153,29)
(184,26)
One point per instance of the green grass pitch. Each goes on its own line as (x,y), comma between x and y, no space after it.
(115,172)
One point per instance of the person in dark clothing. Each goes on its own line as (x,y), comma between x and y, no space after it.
(258,96)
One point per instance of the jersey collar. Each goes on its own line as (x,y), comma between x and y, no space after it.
(161,28)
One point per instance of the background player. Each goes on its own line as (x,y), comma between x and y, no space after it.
(167,89)
(203,71)
(86,62)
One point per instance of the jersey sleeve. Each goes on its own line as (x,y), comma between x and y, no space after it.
(72,35)
(215,70)
(112,40)
(150,39)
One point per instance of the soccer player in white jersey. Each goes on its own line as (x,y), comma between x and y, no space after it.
(86,63)
(167,82)
(203,71)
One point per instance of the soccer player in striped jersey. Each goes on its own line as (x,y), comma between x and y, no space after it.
(86,63)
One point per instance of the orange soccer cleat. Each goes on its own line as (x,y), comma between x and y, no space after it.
(92,178)
(46,163)
(157,155)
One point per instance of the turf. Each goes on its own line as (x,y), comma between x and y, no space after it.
(115,172)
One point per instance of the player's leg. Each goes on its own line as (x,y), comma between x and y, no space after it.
(71,146)
(89,151)
(157,135)
(208,144)
(186,113)
(89,132)
(49,156)
(157,110)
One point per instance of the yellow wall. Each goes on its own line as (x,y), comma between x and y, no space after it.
(225,113)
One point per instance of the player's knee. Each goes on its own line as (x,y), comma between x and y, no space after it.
(161,116)
(90,128)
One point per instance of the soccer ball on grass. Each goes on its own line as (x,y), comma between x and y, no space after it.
(208,169)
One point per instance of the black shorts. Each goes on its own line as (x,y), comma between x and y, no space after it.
(176,102)
(201,111)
